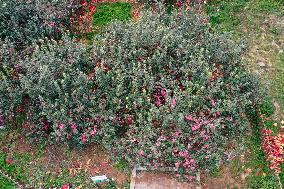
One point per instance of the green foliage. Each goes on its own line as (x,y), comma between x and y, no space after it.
(170,2)
(49,180)
(224,14)
(6,184)
(281,175)
(23,22)
(40,149)
(278,82)
(12,169)
(216,172)
(267,108)
(20,168)
(268,6)
(262,182)
(228,15)
(159,58)
(108,12)
(110,185)
(121,165)
(164,91)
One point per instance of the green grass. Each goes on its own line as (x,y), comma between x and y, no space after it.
(216,172)
(246,19)
(230,15)
(265,179)
(267,6)
(223,14)
(257,162)
(121,165)
(20,169)
(36,173)
(103,15)
(6,184)
(267,108)
(40,149)
(278,80)
(15,169)
(107,12)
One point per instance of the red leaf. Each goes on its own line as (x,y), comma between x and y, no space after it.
(83,2)
(65,186)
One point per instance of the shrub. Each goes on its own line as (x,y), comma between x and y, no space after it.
(175,98)
(162,91)
(9,59)
(23,21)
(47,84)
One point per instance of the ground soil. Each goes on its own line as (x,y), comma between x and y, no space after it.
(92,159)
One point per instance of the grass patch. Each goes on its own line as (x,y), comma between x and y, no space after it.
(16,168)
(230,15)
(262,182)
(267,6)
(107,12)
(6,184)
(278,81)
(27,168)
(245,18)
(223,14)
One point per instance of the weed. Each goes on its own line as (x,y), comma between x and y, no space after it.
(215,172)
(13,169)
(121,165)
(40,149)
(262,182)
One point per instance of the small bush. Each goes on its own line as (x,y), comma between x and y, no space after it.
(174,98)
